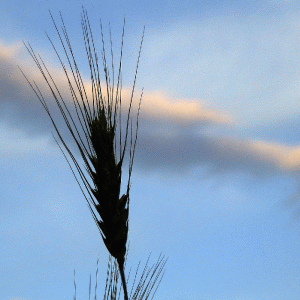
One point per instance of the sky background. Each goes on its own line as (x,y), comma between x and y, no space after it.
(215,184)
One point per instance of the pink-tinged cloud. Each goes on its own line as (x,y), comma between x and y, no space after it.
(158,106)
(170,136)
(285,157)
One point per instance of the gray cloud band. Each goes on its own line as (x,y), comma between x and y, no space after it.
(170,137)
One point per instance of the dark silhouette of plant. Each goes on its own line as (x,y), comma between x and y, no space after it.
(97,132)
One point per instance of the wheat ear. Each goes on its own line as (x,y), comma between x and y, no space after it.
(96,130)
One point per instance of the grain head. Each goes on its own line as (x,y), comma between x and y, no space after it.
(97,133)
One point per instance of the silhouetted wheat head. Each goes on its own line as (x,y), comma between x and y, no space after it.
(97,132)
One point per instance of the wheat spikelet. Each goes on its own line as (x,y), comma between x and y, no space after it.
(107,180)
(94,128)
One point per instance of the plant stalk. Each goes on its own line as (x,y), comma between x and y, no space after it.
(121,268)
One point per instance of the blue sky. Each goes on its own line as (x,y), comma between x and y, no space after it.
(215,183)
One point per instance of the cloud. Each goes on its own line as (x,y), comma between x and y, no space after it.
(172,132)
(158,106)
(17,97)
(20,108)
(247,64)
(287,158)
(189,151)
